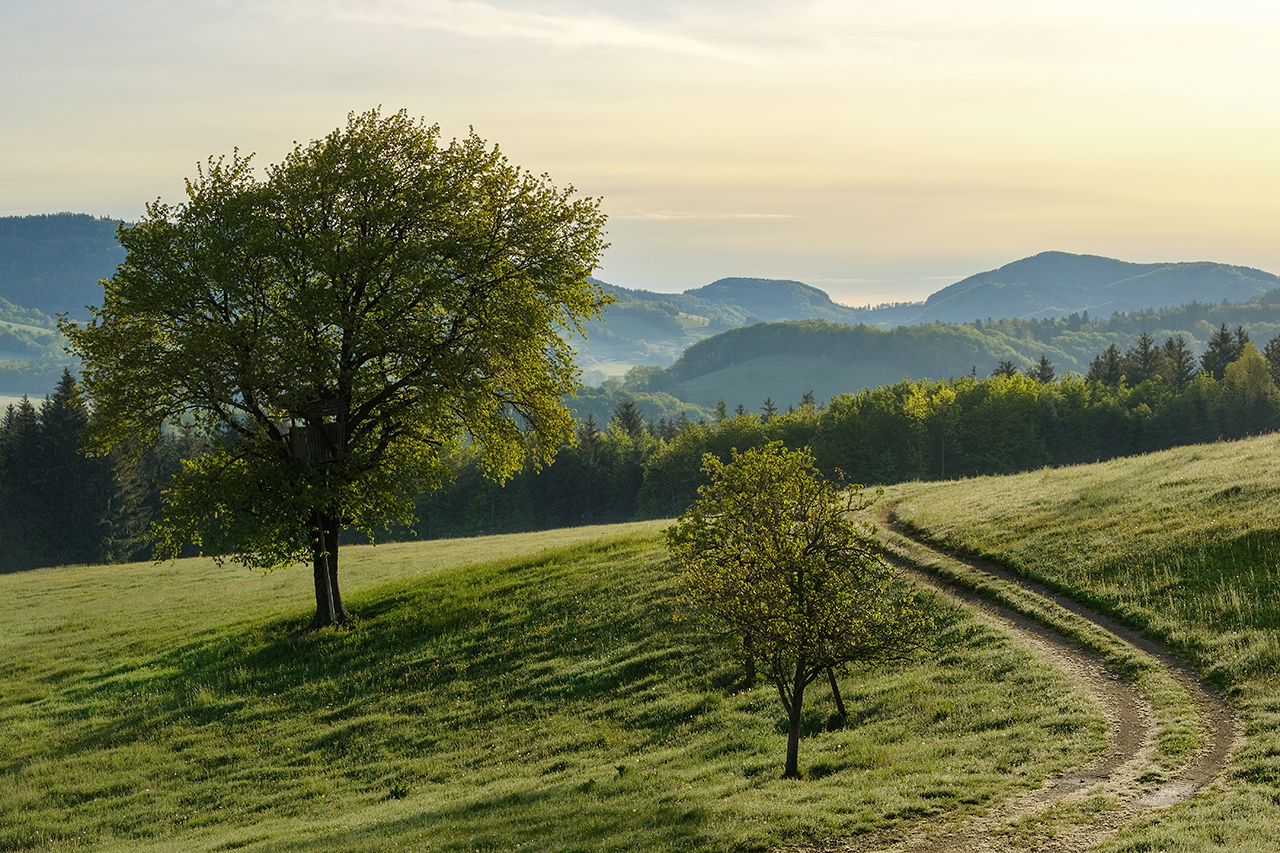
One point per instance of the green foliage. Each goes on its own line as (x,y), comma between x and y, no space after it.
(893,433)
(770,551)
(337,326)
(484,700)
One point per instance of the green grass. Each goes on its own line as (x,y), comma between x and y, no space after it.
(517,692)
(1184,545)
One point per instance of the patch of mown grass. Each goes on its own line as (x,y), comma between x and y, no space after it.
(1183,545)
(541,700)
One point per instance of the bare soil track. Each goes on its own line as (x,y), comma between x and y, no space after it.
(1087,805)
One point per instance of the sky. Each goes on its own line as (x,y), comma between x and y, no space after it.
(877,150)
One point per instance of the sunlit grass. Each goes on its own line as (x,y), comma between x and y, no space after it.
(1184,545)
(520,692)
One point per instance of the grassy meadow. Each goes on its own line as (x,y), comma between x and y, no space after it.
(518,692)
(1183,544)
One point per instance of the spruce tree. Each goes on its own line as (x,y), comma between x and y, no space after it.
(1107,368)
(1225,346)
(1043,371)
(1272,354)
(1179,362)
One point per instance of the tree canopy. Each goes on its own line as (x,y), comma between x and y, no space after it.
(769,550)
(334,327)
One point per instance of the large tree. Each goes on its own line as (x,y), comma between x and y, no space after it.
(770,551)
(334,326)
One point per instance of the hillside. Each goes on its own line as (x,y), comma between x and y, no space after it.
(654,328)
(644,327)
(52,263)
(1183,545)
(784,360)
(1056,284)
(517,692)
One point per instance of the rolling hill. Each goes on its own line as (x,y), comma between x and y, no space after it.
(1056,284)
(783,360)
(51,264)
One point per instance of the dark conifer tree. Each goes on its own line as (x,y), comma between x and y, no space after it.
(1005,369)
(1179,362)
(769,409)
(70,511)
(1272,354)
(1107,368)
(1143,361)
(628,417)
(20,487)
(1225,346)
(1043,371)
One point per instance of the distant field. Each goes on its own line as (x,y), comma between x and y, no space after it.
(1184,545)
(533,691)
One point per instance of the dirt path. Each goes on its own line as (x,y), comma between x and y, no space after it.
(1090,804)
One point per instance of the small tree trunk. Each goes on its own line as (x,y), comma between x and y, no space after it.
(749,664)
(793,730)
(324,540)
(835,691)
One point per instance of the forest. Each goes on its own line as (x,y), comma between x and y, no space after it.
(1154,396)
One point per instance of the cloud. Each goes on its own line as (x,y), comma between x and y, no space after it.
(689,214)
(485,20)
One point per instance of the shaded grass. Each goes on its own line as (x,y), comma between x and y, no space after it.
(540,700)
(1185,546)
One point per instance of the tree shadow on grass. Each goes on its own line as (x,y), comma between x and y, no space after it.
(578,628)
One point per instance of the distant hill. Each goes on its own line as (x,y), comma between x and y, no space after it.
(654,328)
(1057,284)
(784,360)
(644,327)
(53,262)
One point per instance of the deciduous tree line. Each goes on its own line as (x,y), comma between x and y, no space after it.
(1148,398)
(63,507)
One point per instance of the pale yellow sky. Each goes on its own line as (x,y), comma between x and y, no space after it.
(879,150)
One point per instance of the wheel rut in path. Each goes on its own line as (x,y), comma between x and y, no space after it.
(1086,805)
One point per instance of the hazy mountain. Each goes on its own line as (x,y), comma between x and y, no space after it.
(654,328)
(644,327)
(53,263)
(783,360)
(1056,284)
(775,299)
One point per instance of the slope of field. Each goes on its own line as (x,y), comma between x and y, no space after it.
(544,699)
(1184,545)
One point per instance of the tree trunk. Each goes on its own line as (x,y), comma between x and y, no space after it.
(324,542)
(835,691)
(749,660)
(793,730)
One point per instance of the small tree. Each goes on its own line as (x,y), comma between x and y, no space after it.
(770,552)
(1224,347)
(1005,368)
(1043,372)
